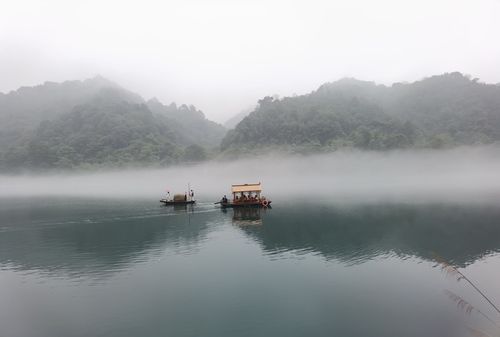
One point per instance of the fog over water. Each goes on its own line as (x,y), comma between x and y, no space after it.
(468,174)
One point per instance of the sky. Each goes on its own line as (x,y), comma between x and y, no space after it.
(222,56)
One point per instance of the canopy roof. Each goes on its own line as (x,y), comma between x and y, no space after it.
(246,188)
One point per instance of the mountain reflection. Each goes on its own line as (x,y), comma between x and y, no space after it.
(100,238)
(461,234)
(98,241)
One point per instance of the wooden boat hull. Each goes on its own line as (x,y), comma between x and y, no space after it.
(245,205)
(171,202)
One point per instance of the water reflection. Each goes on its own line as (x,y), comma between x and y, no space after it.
(181,208)
(234,270)
(247,216)
(100,238)
(96,238)
(354,234)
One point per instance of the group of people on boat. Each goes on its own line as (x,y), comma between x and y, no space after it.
(244,199)
(243,195)
(247,198)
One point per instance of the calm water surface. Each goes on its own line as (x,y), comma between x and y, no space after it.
(88,267)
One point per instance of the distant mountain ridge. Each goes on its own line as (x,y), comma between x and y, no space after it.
(190,123)
(25,108)
(236,119)
(439,111)
(97,123)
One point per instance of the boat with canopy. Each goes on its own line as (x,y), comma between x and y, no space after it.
(246,195)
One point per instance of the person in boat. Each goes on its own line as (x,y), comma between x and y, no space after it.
(185,196)
(192,194)
(224,199)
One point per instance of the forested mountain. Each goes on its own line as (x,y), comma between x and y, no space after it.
(189,123)
(439,111)
(22,110)
(96,123)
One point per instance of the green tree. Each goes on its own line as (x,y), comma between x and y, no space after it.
(194,153)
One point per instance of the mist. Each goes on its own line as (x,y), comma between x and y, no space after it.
(223,56)
(462,174)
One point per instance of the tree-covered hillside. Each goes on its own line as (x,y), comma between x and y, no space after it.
(439,111)
(96,123)
(190,124)
(22,110)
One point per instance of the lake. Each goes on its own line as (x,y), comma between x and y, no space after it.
(126,267)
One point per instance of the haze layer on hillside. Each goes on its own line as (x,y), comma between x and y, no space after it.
(222,56)
(462,174)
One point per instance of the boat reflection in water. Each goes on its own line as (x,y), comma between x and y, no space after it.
(248,216)
(184,208)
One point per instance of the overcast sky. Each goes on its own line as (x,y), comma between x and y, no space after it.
(222,55)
